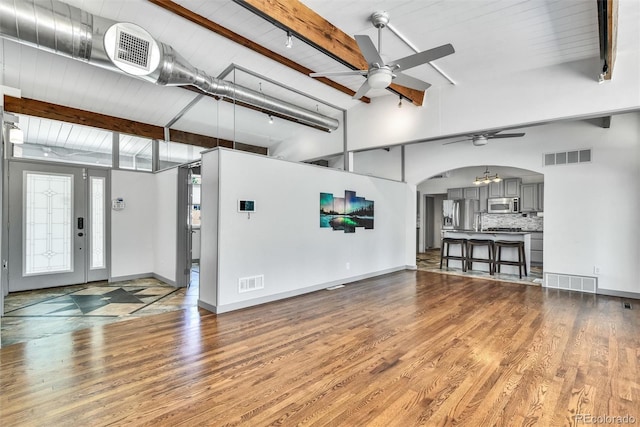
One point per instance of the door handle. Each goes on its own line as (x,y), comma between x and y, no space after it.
(80,234)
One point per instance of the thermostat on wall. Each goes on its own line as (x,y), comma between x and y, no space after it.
(246,206)
(117,204)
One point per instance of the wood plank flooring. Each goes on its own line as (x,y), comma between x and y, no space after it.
(406,349)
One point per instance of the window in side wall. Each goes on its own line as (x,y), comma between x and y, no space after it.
(175,153)
(56,141)
(135,153)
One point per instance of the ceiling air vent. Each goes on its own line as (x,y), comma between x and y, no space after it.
(132,49)
(567,157)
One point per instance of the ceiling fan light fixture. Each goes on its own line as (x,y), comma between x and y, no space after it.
(380,78)
(480,140)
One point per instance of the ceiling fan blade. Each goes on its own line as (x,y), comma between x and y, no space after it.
(506,135)
(422,57)
(410,82)
(460,140)
(363,90)
(339,73)
(369,50)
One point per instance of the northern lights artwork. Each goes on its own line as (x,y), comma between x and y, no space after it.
(345,213)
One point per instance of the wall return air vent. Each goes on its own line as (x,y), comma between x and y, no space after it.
(570,282)
(567,157)
(248,284)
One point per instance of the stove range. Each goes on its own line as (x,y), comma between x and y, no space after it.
(504,229)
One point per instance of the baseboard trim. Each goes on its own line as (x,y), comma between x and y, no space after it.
(130,277)
(225,308)
(621,294)
(141,276)
(208,307)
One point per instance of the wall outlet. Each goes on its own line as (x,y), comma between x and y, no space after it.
(348,266)
(596,269)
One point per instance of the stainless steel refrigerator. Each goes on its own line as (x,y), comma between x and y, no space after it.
(458,214)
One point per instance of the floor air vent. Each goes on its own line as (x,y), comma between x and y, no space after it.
(567,157)
(248,284)
(571,283)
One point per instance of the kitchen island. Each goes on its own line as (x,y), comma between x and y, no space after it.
(509,254)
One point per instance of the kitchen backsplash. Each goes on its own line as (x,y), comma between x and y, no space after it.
(529,223)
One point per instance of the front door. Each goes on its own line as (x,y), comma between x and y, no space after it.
(57,225)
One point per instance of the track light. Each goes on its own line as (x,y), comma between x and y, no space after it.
(270,119)
(16,136)
(400,102)
(289,43)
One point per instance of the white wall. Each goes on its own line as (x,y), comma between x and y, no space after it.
(133,228)
(591,210)
(166,211)
(209,193)
(283,240)
(530,97)
(380,163)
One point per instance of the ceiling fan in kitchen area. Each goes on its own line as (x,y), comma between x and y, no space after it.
(380,74)
(479,139)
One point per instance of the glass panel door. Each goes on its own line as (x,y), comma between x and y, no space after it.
(53,240)
(48,237)
(97,229)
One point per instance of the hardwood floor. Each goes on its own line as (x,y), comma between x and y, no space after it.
(409,348)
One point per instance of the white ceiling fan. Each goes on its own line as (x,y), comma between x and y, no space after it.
(380,75)
(479,139)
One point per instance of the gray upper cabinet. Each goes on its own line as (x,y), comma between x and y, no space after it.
(529,199)
(541,197)
(472,193)
(483,195)
(455,193)
(512,187)
(496,189)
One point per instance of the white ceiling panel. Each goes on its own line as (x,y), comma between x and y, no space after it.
(491,38)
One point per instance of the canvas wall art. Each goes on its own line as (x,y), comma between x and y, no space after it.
(345,213)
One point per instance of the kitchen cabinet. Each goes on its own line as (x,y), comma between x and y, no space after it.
(537,240)
(483,195)
(512,187)
(529,199)
(541,197)
(496,189)
(455,193)
(471,193)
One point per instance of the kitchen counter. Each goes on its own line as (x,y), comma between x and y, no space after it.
(490,232)
(481,252)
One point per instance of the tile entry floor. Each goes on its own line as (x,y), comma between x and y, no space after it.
(430,261)
(34,314)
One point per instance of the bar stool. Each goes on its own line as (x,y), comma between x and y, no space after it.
(497,254)
(448,241)
(472,243)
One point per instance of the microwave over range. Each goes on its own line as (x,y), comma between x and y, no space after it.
(503,205)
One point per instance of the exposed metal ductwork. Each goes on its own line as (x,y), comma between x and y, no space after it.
(127,48)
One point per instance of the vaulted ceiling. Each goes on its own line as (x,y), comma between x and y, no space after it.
(491,38)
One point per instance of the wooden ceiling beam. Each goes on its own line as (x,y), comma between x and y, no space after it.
(225,32)
(313,29)
(608,32)
(46,110)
